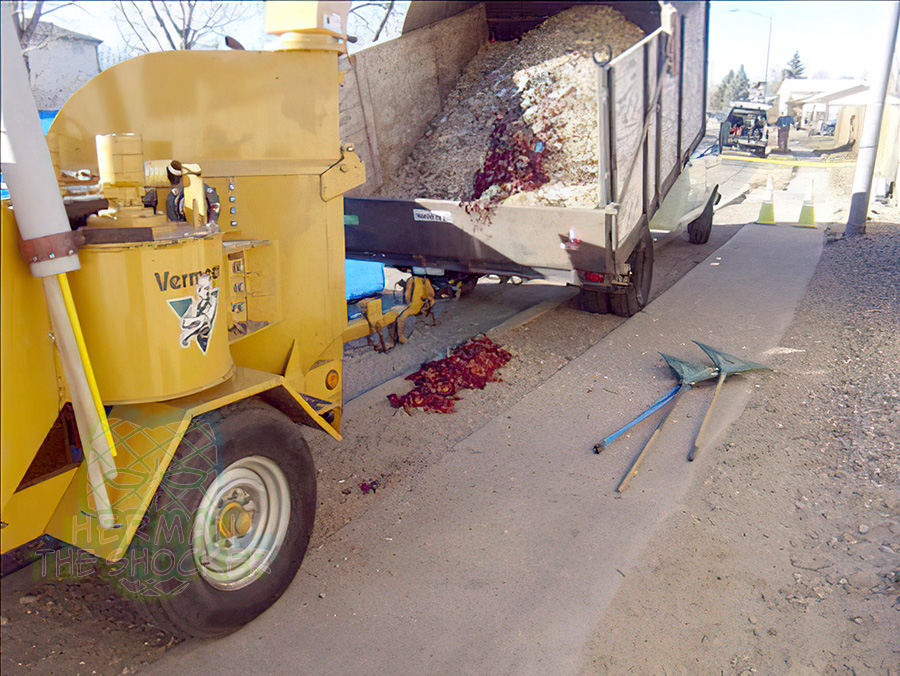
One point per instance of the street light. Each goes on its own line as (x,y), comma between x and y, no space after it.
(768,47)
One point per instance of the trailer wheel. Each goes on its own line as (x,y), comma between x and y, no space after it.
(637,294)
(700,228)
(226,531)
(724,134)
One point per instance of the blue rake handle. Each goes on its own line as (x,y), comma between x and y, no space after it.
(665,399)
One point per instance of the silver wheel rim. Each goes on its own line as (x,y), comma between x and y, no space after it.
(241,523)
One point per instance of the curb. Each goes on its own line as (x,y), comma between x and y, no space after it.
(531,313)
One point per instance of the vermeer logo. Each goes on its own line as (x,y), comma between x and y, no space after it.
(197,313)
(185,281)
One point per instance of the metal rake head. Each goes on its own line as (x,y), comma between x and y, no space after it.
(689,373)
(727,363)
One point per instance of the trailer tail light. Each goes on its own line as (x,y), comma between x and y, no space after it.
(593,277)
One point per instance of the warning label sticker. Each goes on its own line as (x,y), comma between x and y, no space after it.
(432,216)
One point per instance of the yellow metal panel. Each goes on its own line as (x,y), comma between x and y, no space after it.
(146,438)
(343,176)
(130,300)
(29,394)
(310,235)
(306,406)
(29,510)
(182,105)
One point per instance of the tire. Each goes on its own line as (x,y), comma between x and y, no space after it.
(724,133)
(700,228)
(637,294)
(243,468)
(593,301)
(467,283)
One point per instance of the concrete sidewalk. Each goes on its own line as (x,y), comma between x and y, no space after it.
(502,557)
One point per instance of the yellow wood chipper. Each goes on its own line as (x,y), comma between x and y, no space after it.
(172,306)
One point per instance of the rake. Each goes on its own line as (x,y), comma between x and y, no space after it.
(727,365)
(688,375)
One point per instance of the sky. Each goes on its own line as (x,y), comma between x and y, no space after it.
(834,38)
(96,18)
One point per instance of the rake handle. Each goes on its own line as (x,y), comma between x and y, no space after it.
(662,401)
(701,440)
(633,470)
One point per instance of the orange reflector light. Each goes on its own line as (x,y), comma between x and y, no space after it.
(332,379)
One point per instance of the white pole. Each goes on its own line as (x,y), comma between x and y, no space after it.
(39,211)
(26,164)
(868,145)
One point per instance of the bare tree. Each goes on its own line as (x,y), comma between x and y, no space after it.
(26,19)
(369,13)
(160,25)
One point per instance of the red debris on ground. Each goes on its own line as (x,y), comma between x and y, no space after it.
(369,486)
(471,366)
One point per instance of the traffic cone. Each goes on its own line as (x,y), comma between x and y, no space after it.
(807,211)
(767,208)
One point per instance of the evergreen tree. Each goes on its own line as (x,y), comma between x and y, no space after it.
(794,68)
(740,86)
(720,99)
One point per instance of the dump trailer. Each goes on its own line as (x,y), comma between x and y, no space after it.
(173,314)
(650,117)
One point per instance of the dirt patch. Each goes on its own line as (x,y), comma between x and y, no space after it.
(73,622)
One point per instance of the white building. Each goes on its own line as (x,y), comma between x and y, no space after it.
(795,94)
(61,61)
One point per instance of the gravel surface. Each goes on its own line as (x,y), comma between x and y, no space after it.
(525,115)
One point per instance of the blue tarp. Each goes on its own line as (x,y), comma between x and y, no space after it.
(47,117)
(363,278)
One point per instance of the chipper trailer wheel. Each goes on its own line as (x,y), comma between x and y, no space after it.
(226,531)
(637,294)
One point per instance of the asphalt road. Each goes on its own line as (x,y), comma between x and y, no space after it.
(501,557)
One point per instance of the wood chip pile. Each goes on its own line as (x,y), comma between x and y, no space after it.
(520,127)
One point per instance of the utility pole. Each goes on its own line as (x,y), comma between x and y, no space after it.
(868,146)
(768,51)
